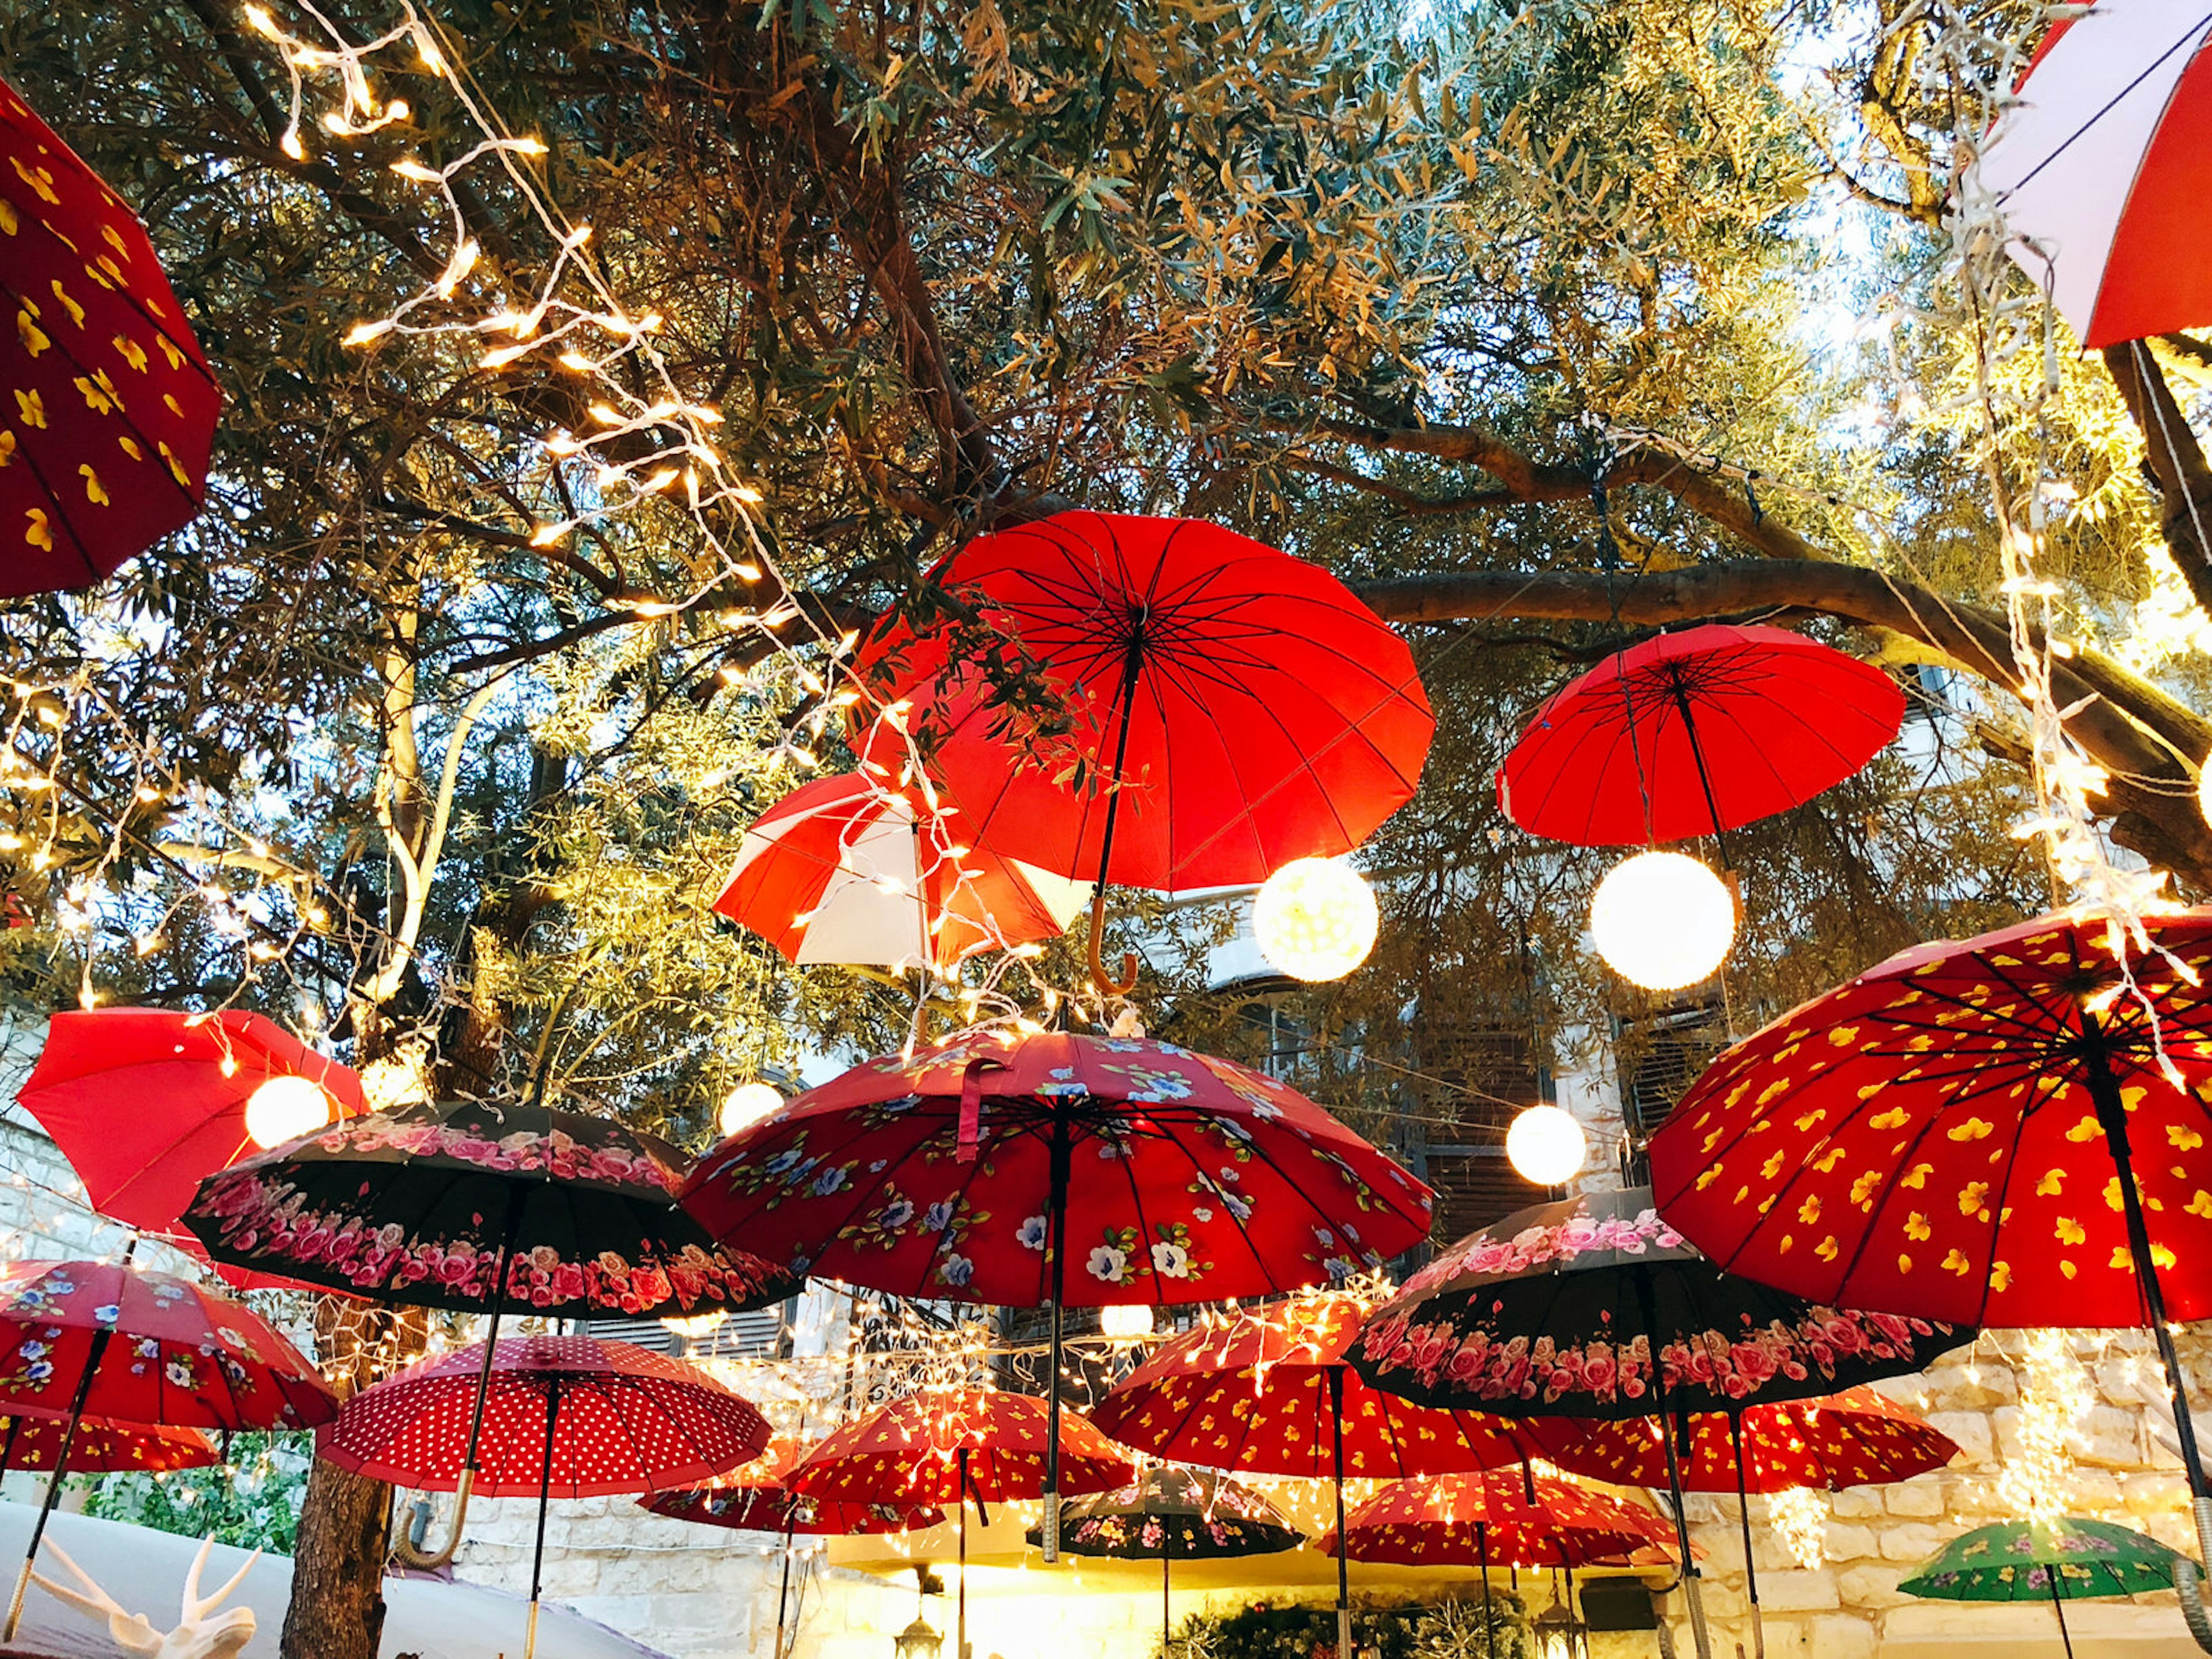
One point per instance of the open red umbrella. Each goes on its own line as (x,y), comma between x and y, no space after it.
(104,1338)
(564,1416)
(147,1103)
(104,445)
(980,1170)
(1233,708)
(102,1445)
(950,1446)
(844,870)
(1272,1392)
(1693,734)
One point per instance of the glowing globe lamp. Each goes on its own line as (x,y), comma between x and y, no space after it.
(1545,1145)
(1315,919)
(1662,920)
(747,1104)
(1125,1322)
(284,1109)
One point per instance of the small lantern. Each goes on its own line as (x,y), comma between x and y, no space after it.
(1557,1632)
(918,1641)
(1545,1145)
(285,1108)
(1315,919)
(1662,920)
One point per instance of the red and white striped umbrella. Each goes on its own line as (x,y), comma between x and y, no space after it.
(2104,171)
(844,870)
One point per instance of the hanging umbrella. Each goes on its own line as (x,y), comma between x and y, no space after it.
(1855,1438)
(106,448)
(1983,1131)
(979,1170)
(1233,708)
(1693,733)
(2065,1557)
(102,1338)
(479,1207)
(1475,1519)
(2101,171)
(844,870)
(1174,1514)
(754,1498)
(951,1446)
(146,1103)
(1559,1310)
(545,1417)
(102,1445)
(1272,1392)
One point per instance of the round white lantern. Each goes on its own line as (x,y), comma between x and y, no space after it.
(1315,919)
(1126,1321)
(1545,1145)
(747,1104)
(1662,920)
(284,1109)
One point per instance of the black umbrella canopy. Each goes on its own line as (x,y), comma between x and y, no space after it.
(473,1205)
(1174,1513)
(1558,1310)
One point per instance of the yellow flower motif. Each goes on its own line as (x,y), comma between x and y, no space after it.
(1904,1264)
(94,491)
(8,222)
(1804,1124)
(35,532)
(129,446)
(2000,1275)
(1915,1228)
(2182,1138)
(1772,1167)
(32,408)
(7,447)
(176,466)
(1863,1189)
(2201,1204)
(2161,1257)
(2070,1231)
(1825,1249)
(1829,1160)
(1974,1128)
(38,179)
(130,352)
(2052,1181)
(2068,1268)
(1893,1119)
(1917,1177)
(75,310)
(33,336)
(1972,1198)
(95,399)
(1956,1262)
(2113,1197)
(1809,1211)
(1844,1036)
(2086,1130)
(176,358)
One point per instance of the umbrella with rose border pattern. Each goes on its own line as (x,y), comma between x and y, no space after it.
(980,1170)
(1559,1310)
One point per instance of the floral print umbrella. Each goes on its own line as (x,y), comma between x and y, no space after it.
(1174,1514)
(2066,1557)
(1272,1392)
(104,1338)
(1595,1307)
(1060,1169)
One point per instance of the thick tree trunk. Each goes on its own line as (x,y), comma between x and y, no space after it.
(2175,461)
(336,1610)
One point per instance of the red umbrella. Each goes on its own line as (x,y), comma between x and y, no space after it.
(947,1446)
(105,449)
(756,1499)
(147,1103)
(844,870)
(1693,734)
(1273,1393)
(563,1417)
(977,1169)
(105,1339)
(1855,1438)
(102,1445)
(1233,708)
(1992,1131)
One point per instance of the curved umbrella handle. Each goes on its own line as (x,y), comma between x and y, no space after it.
(2184,1579)
(404,1550)
(1101,981)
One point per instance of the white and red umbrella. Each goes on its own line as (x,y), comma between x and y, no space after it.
(842,870)
(2104,170)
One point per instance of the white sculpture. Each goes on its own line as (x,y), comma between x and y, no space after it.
(197,1636)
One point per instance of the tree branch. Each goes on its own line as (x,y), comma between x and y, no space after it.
(2175,460)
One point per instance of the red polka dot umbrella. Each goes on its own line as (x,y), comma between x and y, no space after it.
(1233,707)
(756,1499)
(102,1445)
(103,1338)
(562,1417)
(1855,1438)
(105,432)
(2001,1130)
(1159,1175)
(842,871)
(1272,1392)
(951,1446)
(1693,734)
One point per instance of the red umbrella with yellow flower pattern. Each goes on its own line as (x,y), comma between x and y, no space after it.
(109,407)
(102,1445)
(2005,1130)
(1273,1392)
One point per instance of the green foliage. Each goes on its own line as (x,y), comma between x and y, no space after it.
(253,1502)
(1458,1628)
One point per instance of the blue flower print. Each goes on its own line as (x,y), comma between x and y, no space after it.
(1033,1234)
(938,1216)
(956,1270)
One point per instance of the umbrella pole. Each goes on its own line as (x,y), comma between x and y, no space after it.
(1101,981)
(2058,1603)
(95,1352)
(1482,1554)
(1743,1511)
(544,1492)
(783,1589)
(1343,1542)
(960,1637)
(2113,1115)
(1062,1156)
(1167,1622)
(1648,1298)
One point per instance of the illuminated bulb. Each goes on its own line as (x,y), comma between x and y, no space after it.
(1315,919)
(1662,920)
(1126,1321)
(1545,1145)
(692,1326)
(2204,789)
(747,1104)
(284,1109)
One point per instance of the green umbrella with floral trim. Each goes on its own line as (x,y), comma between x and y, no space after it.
(2067,1558)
